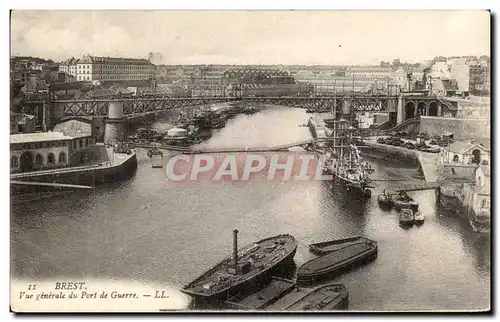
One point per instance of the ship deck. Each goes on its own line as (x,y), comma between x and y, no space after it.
(326,297)
(334,247)
(335,258)
(260,299)
(260,256)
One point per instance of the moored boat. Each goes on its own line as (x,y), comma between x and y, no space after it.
(339,256)
(271,292)
(418,217)
(406,217)
(404,201)
(325,298)
(385,200)
(323,248)
(248,269)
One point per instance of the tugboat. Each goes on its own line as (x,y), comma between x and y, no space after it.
(406,217)
(146,135)
(385,200)
(404,201)
(249,268)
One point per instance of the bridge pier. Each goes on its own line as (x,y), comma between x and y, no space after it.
(438,195)
(401,111)
(98,128)
(116,123)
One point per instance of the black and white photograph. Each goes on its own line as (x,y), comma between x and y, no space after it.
(250,161)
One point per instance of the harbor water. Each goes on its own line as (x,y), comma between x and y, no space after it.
(152,231)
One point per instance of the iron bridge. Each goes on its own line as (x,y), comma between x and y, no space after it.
(141,106)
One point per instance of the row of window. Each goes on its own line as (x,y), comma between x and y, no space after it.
(113,67)
(40,145)
(115,72)
(76,144)
(106,77)
(40,161)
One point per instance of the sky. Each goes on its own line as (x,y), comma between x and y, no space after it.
(252,37)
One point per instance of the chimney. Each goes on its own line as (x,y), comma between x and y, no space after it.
(235,246)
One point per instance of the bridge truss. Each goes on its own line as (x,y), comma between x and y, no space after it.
(134,106)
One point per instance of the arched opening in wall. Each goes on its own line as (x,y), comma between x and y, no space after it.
(62,157)
(50,159)
(421,107)
(26,161)
(479,181)
(484,162)
(409,110)
(476,156)
(39,159)
(433,108)
(14,162)
(455,158)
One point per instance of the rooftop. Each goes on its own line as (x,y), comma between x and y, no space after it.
(464,146)
(114,60)
(38,137)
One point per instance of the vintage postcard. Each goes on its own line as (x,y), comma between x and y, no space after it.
(182,161)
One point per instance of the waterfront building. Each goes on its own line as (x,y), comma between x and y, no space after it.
(48,150)
(466,153)
(94,68)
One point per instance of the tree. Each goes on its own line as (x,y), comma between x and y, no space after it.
(396,62)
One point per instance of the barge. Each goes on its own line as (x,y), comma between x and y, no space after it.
(336,257)
(331,297)
(270,293)
(248,269)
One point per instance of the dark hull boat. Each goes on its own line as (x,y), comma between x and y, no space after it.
(331,297)
(404,201)
(248,269)
(355,187)
(270,293)
(324,248)
(336,257)
(385,201)
(406,217)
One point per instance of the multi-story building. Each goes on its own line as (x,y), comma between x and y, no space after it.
(46,150)
(93,68)
(369,72)
(69,66)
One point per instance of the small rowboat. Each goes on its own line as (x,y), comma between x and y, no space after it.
(335,257)
(418,217)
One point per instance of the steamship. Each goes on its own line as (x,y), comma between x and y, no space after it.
(248,269)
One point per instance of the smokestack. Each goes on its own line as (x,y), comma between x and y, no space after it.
(235,246)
